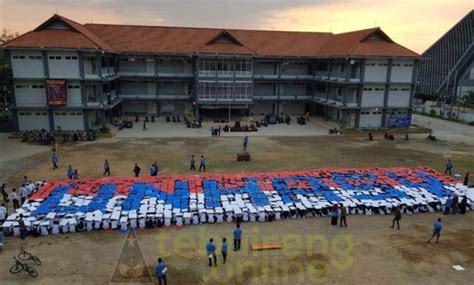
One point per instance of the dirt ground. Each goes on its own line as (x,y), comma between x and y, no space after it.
(368,251)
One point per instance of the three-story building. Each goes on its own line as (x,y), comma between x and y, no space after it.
(72,76)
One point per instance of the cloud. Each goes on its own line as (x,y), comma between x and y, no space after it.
(415,24)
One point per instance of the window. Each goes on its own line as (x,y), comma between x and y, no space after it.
(70,87)
(22,57)
(225,67)
(79,113)
(72,113)
(44,113)
(64,113)
(224,90)
(31,57)
(58,57)
(243,67)
(21,113)
(41,86)
(206,90)
(15,56)
(38,57)
(57,114)
(28,113)
(51,57)
(67,57)
(38,114)
(77,87)
(207,67)
(243,90)
(74,57)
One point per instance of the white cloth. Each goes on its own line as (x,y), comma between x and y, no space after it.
(3,213)
(13,196)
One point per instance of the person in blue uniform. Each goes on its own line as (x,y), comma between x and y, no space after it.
(106,168)
(192,163)
(202,164)
(211,252)
(160,271)
(237,237)
(224,249)
(70,172)
(437,227)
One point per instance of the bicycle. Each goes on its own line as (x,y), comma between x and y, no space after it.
(25,256)
(20,266)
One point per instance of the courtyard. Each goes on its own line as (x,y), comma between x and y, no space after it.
(313,250)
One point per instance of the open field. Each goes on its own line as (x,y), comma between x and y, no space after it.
(367,251)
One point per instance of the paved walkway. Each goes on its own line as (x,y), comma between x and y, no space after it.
(161,129)
(446,130)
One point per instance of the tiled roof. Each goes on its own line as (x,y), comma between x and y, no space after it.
(181,40)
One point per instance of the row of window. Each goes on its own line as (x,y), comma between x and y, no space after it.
(373,113)
(401,89)
(225,67)
(32,113)
(399,64)
(68,113)
(29,57)
(224,90)
(375,64)
(57,57)
(374,89)
(74,87)
(26,86)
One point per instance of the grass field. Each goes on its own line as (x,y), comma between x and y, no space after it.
(368,251)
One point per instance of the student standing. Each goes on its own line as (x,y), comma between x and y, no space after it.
(106,168)
(211,252)
(54,160)
(4,193)
(75,175)
(224,249)
(437,227)
(454,204)
(466,179)
(192,163)
(23,194)
(22,226)
(144,126)
(2,238)
(136,170)
(343,215)
(25,181)
(202,164)
(246,141)
(237,237)
(70,172)
(397,216)
(334,215)
(160,270)
(447,205)
(449,167)
(463,205)
(14,199)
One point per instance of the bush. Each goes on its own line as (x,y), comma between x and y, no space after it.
(433,112)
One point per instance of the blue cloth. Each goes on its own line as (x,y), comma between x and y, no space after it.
(437,227)
(237,234)
(192,161)
(2,237)
(106,165)
(160,266)
(335,213)
(54,158)
(211,248)
(224,247)
(449,165)
(246,140)
(203,161)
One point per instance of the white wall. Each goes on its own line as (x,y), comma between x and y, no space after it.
(376,70)
(30,93)
(402,71)
(33,120)
(69,120)
(373,95)
(63,64)
(74,98)
(27,64)
(399,96)
(370,118)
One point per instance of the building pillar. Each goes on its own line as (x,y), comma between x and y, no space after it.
(85,113)
(83,93)
(357,119)
(416,65)
(100,91)
(81,65)
(98,57)
(362,70)
(387,83)
(51,120)
(44,55)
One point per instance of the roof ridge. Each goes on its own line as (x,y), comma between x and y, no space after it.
(20,36)
(208,28)
(87,33)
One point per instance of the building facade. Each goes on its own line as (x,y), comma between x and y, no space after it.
(72,76)
(447,67)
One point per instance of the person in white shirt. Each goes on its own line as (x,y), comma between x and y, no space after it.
(3,213)
(23,194)
(14,199)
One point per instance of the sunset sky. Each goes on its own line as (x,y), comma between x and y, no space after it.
(415,24)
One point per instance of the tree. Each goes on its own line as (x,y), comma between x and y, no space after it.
(6,36)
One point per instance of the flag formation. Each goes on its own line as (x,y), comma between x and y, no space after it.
(123,203)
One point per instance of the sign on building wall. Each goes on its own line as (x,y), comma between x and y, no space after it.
(399,121)
(56,92)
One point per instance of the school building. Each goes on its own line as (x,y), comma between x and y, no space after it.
(77,76)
